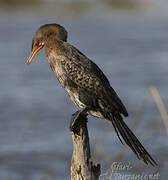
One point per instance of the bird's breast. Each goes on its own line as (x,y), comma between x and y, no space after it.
(57,64)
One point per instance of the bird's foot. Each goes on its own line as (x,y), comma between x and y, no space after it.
(75,118)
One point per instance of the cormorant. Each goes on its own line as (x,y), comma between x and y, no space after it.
(85,83)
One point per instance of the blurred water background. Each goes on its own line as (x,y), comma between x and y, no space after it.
(128,39)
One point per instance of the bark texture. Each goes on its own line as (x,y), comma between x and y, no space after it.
(82,168)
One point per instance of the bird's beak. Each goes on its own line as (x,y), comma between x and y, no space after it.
(35,50)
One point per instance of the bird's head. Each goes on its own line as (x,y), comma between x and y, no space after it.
(41,36)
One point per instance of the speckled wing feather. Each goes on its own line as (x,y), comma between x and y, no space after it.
(87,75)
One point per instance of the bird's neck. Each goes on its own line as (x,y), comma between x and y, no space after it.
(54,45)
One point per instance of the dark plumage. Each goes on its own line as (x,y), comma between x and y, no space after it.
(85,83)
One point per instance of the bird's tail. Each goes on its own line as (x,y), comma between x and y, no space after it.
(131,140)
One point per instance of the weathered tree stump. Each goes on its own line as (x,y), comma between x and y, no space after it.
(82,168)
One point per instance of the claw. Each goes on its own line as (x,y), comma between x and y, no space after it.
(76,117)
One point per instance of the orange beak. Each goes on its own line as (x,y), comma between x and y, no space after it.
(35,50)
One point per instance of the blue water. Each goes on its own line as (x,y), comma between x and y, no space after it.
(35,111)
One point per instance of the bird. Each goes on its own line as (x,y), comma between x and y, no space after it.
(86,84)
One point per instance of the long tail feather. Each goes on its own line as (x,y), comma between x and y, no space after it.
(131,140)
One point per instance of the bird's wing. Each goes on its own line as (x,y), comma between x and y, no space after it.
(87,75)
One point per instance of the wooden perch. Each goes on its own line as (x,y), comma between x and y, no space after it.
(82,167)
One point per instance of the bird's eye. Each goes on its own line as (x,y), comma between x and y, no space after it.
(36,43)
